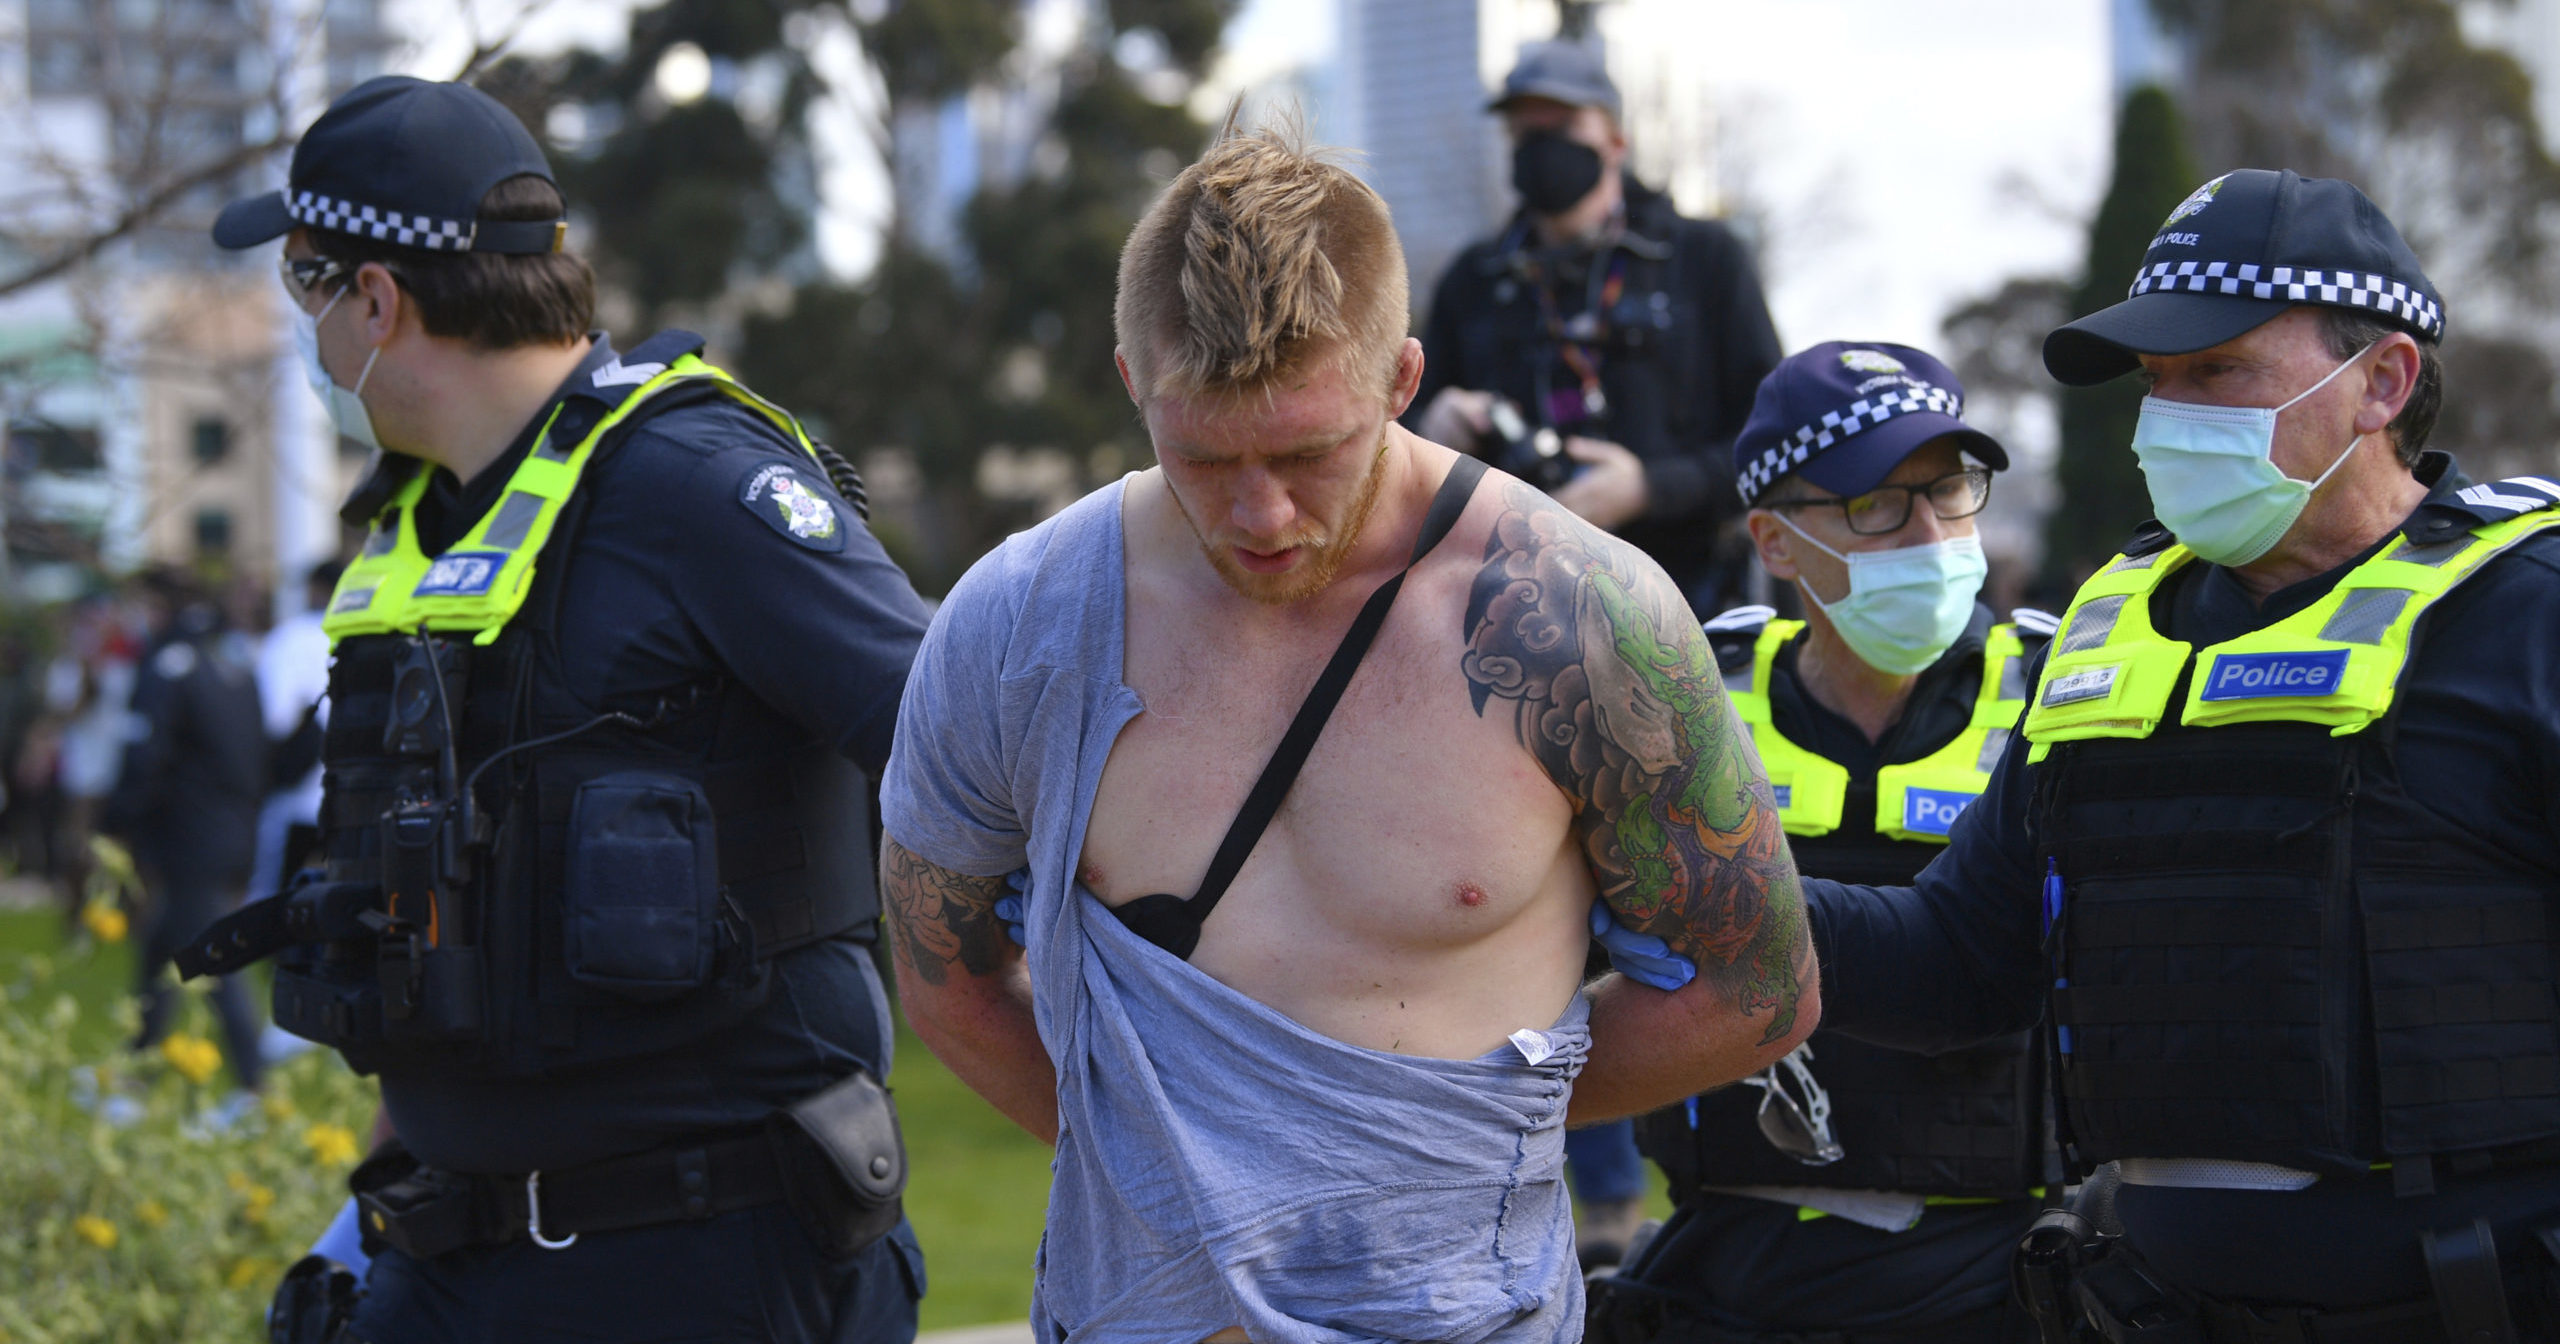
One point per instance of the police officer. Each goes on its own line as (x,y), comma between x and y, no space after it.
(1855,1192)
(186,799)
(610,669)
(2276,845)
(1601,345)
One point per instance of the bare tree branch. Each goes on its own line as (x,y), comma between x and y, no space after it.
(143,210)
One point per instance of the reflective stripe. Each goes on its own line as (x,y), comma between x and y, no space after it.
(482,579)
(1915,800)
(2336,663)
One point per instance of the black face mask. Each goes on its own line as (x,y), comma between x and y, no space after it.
(1552,172)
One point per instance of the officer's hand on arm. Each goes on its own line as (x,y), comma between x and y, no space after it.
(1610,490)
(1459,418)
(964,987)
(1671,810)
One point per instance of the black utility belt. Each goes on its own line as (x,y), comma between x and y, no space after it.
(836,1157)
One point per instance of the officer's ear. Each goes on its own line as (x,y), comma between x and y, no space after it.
(380,304)
(1770,539)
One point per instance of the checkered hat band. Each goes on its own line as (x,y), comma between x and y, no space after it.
(2345,289)
(1789,453)
(390,226)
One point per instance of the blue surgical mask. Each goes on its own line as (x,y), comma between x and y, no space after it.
(2213,478)
(346,405)
(1905,606)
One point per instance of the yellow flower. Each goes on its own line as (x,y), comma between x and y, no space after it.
(247,1270)
(237,1180)
(261,1199)
(95,1230)
(333,1145)
(151,1213)
(193,1056)
(277,1105)
(104,922)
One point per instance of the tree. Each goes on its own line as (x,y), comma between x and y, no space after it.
(2101,496)
(2395,97)
(998,352)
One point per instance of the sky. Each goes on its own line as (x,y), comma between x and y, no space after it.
(1904,157)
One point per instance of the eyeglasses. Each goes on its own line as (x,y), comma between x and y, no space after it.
(304,274)
(1800,1129)
(1958,494)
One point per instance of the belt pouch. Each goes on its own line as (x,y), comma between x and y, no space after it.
(843,1163)
(418,1211)
(2126,1306)
(641,899)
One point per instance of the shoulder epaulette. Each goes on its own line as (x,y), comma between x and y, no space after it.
(2497,501)
(1741,619)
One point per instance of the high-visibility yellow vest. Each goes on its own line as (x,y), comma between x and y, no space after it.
(2336,662)
(479,582)
(1916,800)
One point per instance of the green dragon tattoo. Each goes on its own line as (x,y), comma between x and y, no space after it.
(1614,691)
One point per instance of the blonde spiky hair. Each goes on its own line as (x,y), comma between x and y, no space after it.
(1259,257)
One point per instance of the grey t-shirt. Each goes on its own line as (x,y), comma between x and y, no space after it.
(1218,1164)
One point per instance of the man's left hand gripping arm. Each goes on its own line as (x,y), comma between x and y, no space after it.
(964,987)
(1615,692)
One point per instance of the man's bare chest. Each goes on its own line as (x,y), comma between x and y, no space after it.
(1409,792)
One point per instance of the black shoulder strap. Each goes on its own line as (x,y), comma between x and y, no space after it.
(1173,923)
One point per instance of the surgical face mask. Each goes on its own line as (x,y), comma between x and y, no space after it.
(1905,606)
(2213,477)
(346,405)
(1551,171)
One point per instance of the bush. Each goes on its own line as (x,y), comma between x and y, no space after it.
(142,1203)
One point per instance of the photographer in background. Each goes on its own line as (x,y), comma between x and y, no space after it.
(1601,346)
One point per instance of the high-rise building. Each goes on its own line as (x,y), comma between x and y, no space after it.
(154,409)
(1411,98)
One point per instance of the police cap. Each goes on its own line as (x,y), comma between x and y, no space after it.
(405,161)
(1844,414)
(2237,252)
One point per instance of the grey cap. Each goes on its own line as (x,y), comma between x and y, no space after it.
(1567,72)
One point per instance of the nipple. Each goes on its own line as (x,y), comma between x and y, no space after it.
(1089,875)
(1470,895)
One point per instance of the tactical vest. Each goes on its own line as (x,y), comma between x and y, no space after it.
(1964,1125)
(2223,824)
(518,880)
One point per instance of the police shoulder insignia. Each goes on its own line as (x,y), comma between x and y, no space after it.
(789,504)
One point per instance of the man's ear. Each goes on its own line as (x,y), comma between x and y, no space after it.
(1128,381)
(385,307)
(2389,382)
(1769,540)
(1408,377)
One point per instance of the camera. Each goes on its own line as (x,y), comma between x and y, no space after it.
(1534,455)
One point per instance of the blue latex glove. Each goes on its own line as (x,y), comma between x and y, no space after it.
(342,1242)
(1009,908)
(1640,957)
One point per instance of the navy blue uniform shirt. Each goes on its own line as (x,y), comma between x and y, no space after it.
(1957,958)
(671,578)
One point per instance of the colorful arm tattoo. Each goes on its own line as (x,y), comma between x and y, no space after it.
(1614,690)
(939,918)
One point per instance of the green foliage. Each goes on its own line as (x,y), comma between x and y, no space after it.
(928,50)
(2102,494)
(1013,344)
(154,1224)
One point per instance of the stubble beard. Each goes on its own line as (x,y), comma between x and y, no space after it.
(1323,556)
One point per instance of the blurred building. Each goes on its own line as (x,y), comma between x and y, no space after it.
(154,408)
(1411,98)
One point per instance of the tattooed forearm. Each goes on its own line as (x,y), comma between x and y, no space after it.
(939,918)
(1614,691)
